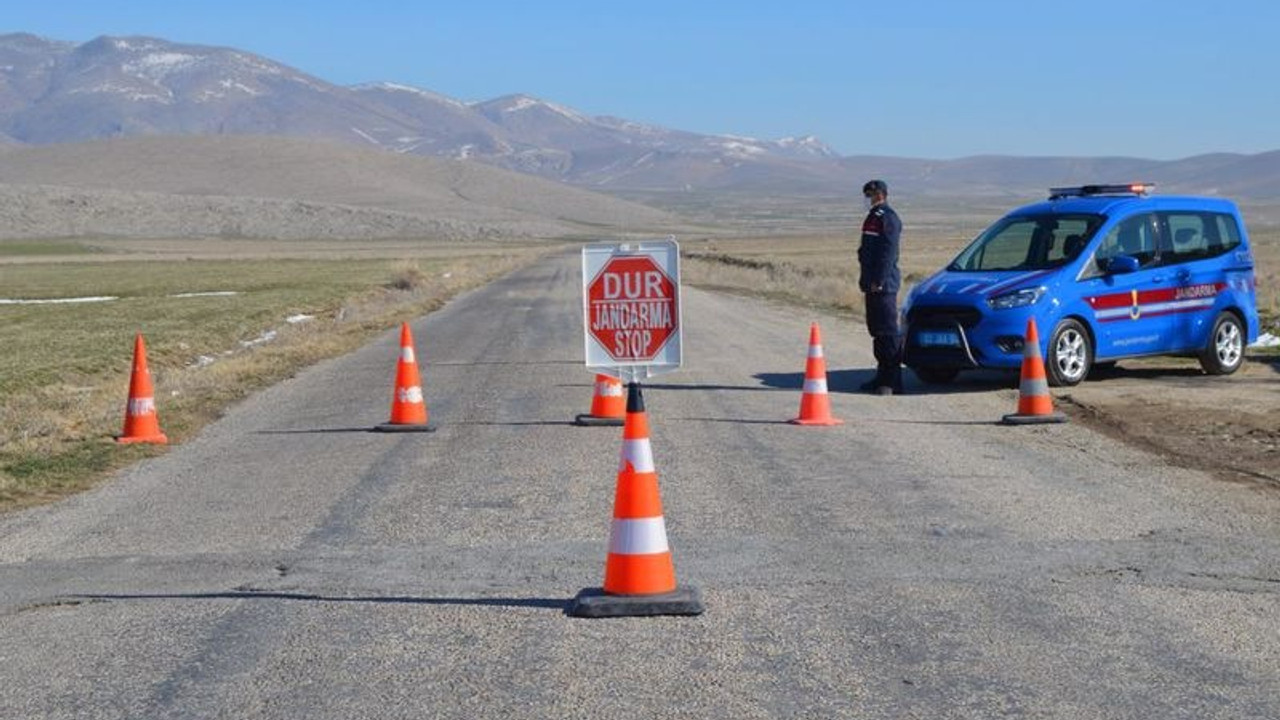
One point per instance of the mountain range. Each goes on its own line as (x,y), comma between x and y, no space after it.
(59,92)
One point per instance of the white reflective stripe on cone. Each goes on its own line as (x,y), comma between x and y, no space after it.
(1033,386)
(411,395)
(644,536)
(639,453)
(815,351)
(142,406)
(606,389)
(815,386)
(406,354)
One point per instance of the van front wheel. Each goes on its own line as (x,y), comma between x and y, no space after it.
(1070,354)
(1224,353)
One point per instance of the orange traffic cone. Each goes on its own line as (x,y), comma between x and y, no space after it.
(141,422)
(639,576)
(408,407)
(1034,403)
(608,404)
(815,404)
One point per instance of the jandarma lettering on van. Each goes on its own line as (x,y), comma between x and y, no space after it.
(1196,291)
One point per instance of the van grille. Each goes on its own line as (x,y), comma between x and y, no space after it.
(944,315)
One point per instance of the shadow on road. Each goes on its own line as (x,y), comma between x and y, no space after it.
(452,363)
(516,423)
(315,431)
(548,603)
(669,386)
(735,421)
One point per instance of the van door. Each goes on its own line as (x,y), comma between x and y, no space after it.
(1194,256)
(1127,290)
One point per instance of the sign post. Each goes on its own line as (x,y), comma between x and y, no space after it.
(631,309)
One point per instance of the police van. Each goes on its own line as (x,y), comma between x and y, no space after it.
(1107,271)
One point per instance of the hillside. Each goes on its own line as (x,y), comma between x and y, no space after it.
(376,193)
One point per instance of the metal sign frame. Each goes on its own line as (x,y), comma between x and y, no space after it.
(666,255)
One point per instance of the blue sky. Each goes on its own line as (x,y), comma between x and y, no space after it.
(913,78)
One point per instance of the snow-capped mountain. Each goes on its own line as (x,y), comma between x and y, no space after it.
(53,91)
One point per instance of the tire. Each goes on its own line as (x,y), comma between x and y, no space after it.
(1070,354)
(936,375)
(1223,354)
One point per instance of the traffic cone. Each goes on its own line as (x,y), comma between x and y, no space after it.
(639,576)
(408,407)
(815,404)
(1034,402)
(141,422)
(608,404)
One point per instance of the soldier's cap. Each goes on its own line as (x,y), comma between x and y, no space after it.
(875,186)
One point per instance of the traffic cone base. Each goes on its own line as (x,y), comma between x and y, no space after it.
(595,603)
(403,428)
(593,421)
(1017,419)
(1035,405)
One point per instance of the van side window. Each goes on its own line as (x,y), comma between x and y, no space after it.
(1196,236)
(1227,236)
(1134,237)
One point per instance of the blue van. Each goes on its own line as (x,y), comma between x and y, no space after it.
(1107,271)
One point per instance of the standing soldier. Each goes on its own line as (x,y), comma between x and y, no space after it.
(879,281)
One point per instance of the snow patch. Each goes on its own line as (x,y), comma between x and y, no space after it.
(157,65)
(1267,340)
(396,87)
(228,87)
(299,318)
(262,339)
(165,97)
(58,301)
(214,293)
(524,103)
(741,149)
(366,136)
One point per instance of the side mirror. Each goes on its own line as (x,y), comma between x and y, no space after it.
(1122,264)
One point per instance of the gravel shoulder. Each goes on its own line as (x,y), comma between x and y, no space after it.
(1226,426)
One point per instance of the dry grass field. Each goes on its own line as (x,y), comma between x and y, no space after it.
(64,368)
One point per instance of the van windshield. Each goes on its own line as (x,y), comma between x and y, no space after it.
(1028,242)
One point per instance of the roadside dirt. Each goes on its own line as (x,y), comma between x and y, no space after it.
(1227,426)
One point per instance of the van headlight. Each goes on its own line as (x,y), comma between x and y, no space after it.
(1017,299)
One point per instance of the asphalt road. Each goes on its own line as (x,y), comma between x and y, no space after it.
(919,561)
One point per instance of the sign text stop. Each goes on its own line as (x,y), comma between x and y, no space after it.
(632,308)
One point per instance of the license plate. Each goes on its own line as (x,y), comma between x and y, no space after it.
(938,338)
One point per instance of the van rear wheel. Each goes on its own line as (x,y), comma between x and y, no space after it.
(1070,354)
(1224,353)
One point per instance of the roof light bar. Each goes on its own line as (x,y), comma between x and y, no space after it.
(1142,189)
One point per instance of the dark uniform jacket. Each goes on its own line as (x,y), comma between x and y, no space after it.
(878,251)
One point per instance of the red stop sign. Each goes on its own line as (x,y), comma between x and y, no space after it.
(631,308)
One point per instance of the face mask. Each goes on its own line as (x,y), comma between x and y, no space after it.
(868,202)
